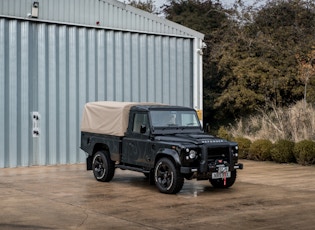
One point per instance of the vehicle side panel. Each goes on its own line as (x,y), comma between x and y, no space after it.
(92,142)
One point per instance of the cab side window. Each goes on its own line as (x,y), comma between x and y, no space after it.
(140,119)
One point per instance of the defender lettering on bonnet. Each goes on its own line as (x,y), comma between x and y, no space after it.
(166,143)
(212,141)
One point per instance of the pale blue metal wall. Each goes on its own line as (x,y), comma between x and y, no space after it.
(53,69)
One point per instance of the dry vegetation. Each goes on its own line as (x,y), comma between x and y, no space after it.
(295,123)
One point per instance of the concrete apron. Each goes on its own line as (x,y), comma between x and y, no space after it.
(264,196)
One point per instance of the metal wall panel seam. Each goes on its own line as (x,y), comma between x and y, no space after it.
(72,102)
(91,66)
(80,86)
(187,72)
(33,56)
(127,63)
(118,66)
(82,97)
(6,75)
(57,96)
(158,72)
(25,135)
(51,97)
(110,82)
(41,96)
(100,63)
(2,93)
(74,87)
(179,71)
(62,94)
(151,68)
(173,71)
(143,82)
(12,116)
(166,70)
(135,92)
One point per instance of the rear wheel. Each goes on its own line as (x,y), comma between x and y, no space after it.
(103,167)
(167,177)
(219,183)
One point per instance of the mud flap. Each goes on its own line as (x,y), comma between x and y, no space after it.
(89,163)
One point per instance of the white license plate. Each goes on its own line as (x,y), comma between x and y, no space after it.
(220,175)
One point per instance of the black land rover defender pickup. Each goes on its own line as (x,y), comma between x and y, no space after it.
(166,143)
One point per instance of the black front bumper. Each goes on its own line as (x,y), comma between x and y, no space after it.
(209,168)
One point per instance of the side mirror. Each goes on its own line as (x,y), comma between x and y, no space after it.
(143,129)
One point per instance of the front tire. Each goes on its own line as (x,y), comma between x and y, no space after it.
(103,167)
(219,183)
(167,177)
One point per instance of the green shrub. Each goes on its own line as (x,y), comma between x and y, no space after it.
(282,151)
(260,150)
(304,152)
(223,133)
(243,146)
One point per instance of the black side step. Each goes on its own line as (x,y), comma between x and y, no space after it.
(132,168)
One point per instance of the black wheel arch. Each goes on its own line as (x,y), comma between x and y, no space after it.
(100,147)
(169,153)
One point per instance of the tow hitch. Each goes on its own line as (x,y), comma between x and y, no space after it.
(238,166)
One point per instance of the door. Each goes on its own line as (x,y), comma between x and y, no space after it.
(137,147)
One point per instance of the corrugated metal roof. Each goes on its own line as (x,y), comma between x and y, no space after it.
(110,14)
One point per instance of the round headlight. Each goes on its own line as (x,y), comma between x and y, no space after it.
(192,154)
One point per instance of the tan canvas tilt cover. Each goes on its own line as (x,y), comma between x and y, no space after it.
(107,117)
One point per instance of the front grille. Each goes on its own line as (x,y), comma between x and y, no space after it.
(218,153)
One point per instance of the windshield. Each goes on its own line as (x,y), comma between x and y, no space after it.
(162,118)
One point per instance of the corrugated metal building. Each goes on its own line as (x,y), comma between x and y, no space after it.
(57,55)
